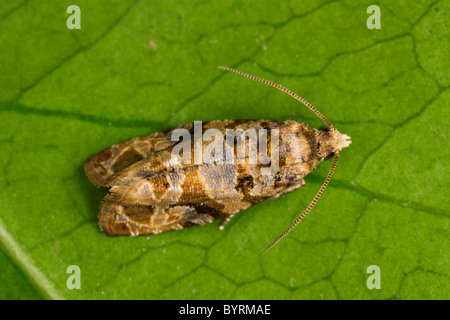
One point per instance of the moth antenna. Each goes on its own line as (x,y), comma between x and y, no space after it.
(280,87)
(311,205)
(327,122)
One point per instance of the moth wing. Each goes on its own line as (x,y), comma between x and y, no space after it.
(102,166)
(116,219)
(119,219)
(228,188)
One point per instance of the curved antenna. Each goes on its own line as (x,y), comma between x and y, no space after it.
(311,205)
(328,123)
(280,87)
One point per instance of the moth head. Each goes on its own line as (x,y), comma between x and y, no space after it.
(329,142)
(342,140)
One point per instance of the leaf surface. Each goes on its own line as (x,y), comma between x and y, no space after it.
(136,67)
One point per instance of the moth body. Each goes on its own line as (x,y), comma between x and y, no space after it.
(151,194)
(152,191)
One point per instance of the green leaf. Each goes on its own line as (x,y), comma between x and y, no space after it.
(136,67)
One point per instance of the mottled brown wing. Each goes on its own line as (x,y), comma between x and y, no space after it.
(133,220)
(152,193)
(102,166)
(119,219)
(233,184)
(186,197)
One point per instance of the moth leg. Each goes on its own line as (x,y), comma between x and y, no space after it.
(226,220)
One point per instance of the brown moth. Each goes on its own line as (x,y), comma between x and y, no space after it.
(151,193)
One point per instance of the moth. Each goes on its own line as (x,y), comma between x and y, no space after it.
(152,192)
